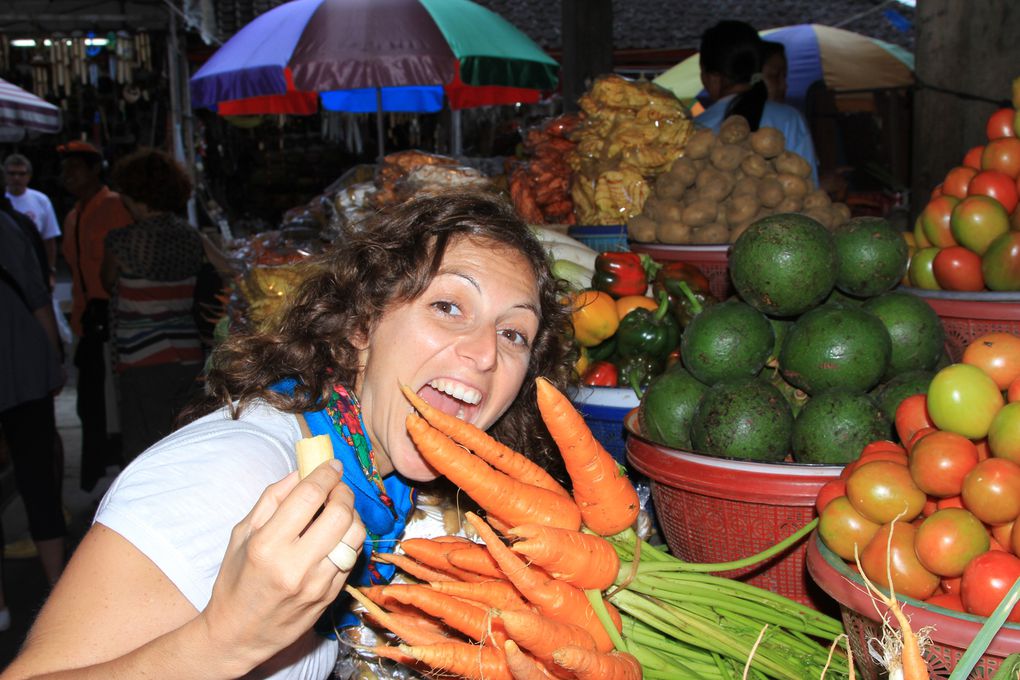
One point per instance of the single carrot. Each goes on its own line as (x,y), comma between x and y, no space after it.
(476,559)
(542,636)
(413,568)
(496,454)
(395,654)
(522,666)
(492,594)
(499,525)
(515,502)
(412,633)
(607,500)
(589,665)
(446,538)
(554,598)
(434,554)
(473,662)
(461,615)
(584,560)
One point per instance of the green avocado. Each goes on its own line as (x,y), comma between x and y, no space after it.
(748,419)
(668,405)
(728,341)
(917,334)
(834,426)
(872,256)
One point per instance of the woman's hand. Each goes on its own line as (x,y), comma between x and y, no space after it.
(276,579)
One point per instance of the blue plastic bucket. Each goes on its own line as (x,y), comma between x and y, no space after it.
(604,410)
(601,238)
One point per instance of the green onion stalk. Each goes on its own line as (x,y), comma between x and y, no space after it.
(681,621)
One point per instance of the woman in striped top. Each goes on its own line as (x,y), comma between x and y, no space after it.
(150,268)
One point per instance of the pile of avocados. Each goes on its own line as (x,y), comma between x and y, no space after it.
(808,362)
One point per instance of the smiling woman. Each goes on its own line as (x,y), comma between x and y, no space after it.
(449,296)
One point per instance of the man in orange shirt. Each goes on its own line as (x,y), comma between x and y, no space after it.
(97,212)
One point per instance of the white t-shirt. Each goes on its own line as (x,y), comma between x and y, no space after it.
(178,502)
(37,206)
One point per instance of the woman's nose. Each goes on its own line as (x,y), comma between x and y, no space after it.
(479,346)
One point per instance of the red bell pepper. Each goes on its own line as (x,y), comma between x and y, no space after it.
(620,274)
(601,374)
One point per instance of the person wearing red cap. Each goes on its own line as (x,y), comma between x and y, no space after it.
(97,212)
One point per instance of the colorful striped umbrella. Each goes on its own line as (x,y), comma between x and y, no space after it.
(23,111)
(373,55)
(845,61)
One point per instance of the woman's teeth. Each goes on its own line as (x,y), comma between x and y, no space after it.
(458,391)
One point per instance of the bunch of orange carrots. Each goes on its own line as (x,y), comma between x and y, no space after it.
(560,586)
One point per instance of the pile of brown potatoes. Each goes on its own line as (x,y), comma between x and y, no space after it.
(723,183)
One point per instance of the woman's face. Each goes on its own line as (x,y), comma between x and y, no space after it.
(463,346)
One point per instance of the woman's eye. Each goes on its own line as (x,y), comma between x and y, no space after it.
(515,337)
(446,307)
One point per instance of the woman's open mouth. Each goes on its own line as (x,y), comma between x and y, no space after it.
(452,398)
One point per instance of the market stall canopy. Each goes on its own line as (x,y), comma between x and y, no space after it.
(22,111)
(845,61)
(373,55)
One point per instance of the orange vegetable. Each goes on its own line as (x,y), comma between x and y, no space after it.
(466,617)
(542,636)
(628,303)
(498,455)
(476,559)
(607,500)
(554,598)
(469,661)
(583,560)
(433,553)
(589,665)
(493,594)
(413,568)
(522,666)
(415,632)
(594,317)
(514,501)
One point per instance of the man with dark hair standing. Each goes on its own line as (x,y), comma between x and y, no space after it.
(35,204)
(97,212)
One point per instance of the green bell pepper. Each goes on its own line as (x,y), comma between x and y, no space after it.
(637,372)
(643,331)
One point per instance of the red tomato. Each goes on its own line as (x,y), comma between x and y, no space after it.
(883,491)
(909,577)
(998,355)
(936,192)
(1003,535)
(972,159)
(962,399)
(995,545)
(1000,264)
(1014,540)
(1004,434)
(882,445)
(957,180)
(991,490)
(940,461)
(1013,392)
(831,490)
(976,221)
(957,268)
(951,586)
(935,221)
(892,456)
(841,528)
(984,453)
(911,416)
(951,502)
(1000,124)
(1002,155)
(948,540)
(929,509)
(997,185)
(919,435)
(947,601)
(986,580)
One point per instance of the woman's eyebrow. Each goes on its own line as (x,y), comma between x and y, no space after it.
(529,306)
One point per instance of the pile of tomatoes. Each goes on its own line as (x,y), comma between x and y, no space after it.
(939,510)
(966,238)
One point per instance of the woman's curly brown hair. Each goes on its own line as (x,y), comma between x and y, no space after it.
(390,261)
(153,177)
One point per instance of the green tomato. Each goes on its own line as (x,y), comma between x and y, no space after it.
(963,399)
(920,271)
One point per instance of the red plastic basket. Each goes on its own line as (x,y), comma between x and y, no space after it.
(717,510)
(712,260)
(951,634)
(967,316)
